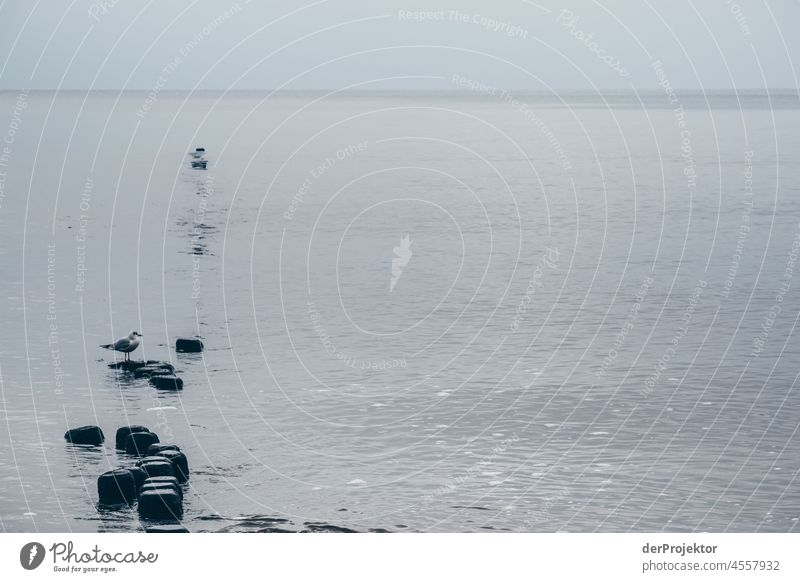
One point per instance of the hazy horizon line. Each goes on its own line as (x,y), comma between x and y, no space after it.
(784,91)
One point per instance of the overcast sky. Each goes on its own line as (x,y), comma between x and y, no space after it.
(516,44)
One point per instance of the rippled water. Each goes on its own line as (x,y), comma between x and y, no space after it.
(576,334)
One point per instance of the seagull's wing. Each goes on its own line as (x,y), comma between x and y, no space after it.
(122,344)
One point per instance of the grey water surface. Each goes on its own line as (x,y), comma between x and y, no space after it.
(423,312)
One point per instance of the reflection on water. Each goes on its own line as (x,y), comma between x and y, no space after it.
(265,524)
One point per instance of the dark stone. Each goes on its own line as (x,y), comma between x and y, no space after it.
(85,435)
(123,432)
(167,382)
(132,365)
(137,443)
(159,469)
(167,528)
(165,480)
(163,504)
(160,486)
(156,448)
(180,463)
(149,459)
(127,365)
(116,487)
(188,345)
(159,370)
(138,476)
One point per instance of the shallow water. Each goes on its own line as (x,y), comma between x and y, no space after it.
(573,340)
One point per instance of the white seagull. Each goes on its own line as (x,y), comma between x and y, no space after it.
(125,344)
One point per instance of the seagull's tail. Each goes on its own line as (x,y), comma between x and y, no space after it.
(107,346)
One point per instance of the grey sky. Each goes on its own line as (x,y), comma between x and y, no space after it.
(714,44)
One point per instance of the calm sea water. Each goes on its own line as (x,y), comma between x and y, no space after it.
(589,324)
